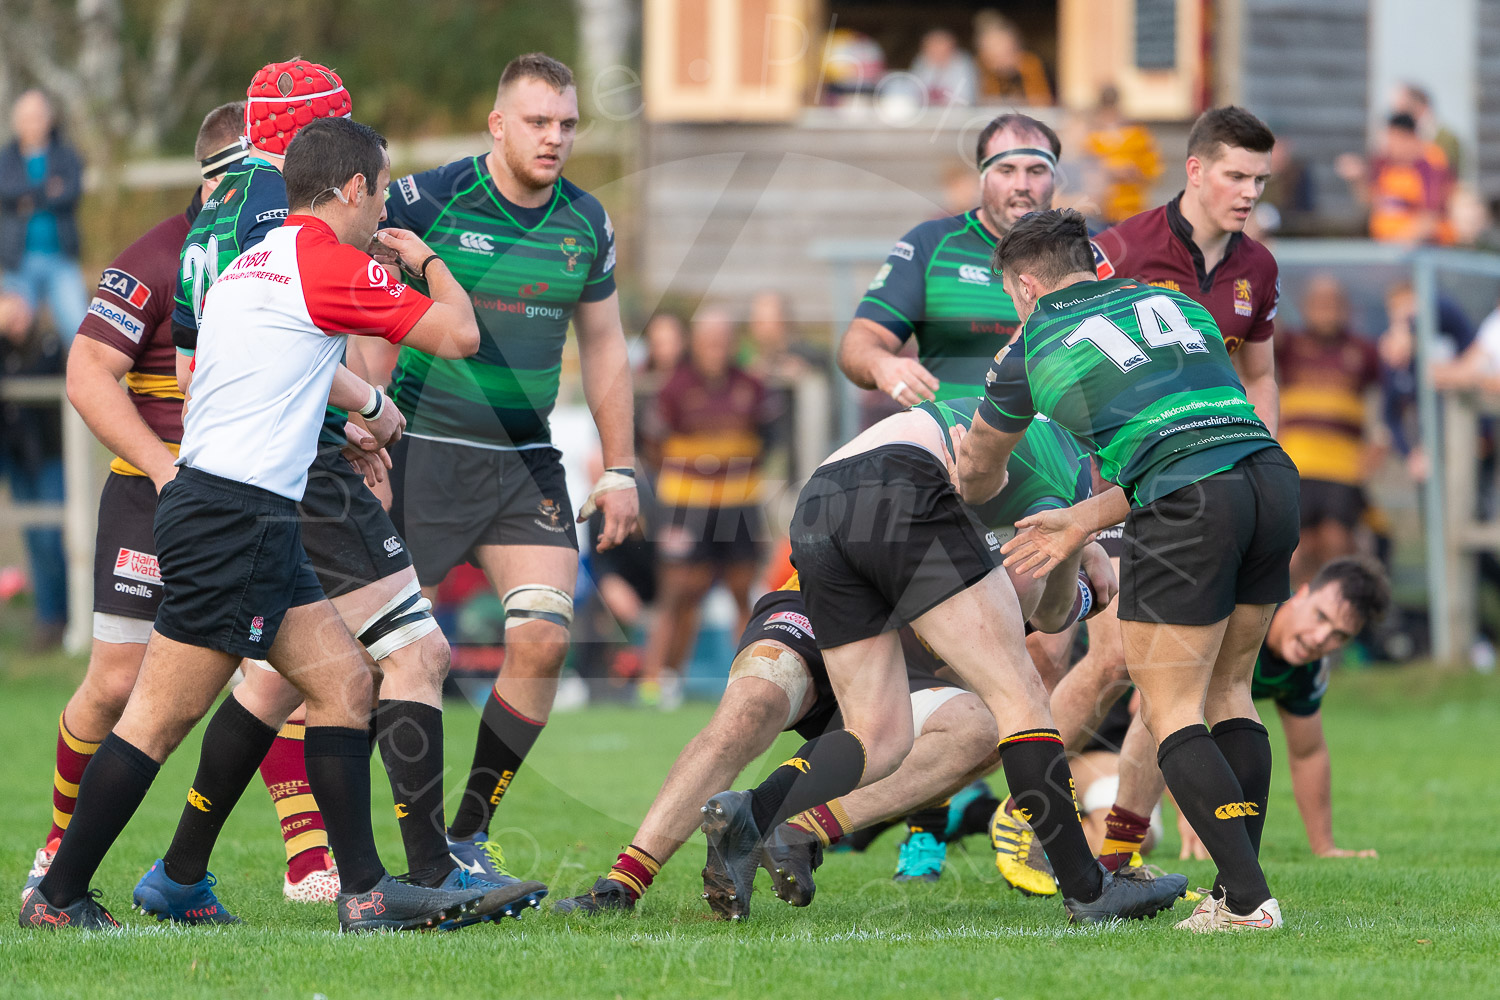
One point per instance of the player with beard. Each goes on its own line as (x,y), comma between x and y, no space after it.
(936,285)
(476,476)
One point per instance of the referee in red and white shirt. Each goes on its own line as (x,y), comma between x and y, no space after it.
(237,581)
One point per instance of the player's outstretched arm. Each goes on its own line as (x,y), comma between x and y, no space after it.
(605,362)
(869,355)
(1312,783)
(448,329)
(1047,538)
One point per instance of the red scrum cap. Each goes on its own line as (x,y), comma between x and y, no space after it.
(285,96)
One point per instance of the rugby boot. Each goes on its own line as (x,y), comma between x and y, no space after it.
(791,855)
(39,866)
(393,905)
(1213,915)
(921,858)
(1137,868)
(158,896)
(321,886)
(483,858)
(606,894)
(1018,855)
(84,914)
(734,851)
(1127,898)
(500,899)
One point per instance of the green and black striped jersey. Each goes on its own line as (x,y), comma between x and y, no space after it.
(936,285)
(526,270)
(1139,374)
(1049,469)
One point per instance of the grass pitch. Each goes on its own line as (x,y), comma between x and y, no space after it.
(1413,777)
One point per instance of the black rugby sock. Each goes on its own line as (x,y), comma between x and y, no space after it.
(234,744)
(505,738)
(1246,747)
(338,769)
(821,771)
(112,788)
(1036,769)
(1211,798)
(933,819)
(410,735)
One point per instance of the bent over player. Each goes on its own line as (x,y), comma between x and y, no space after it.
(881,540)
(238,583)
(779,682)
(1141,375)
(476,476)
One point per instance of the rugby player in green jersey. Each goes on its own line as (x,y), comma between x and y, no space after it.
(1209,501)
(476,476)
(936,285)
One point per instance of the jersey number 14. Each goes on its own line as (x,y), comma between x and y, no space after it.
(1161,323)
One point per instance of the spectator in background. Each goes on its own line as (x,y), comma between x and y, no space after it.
(707,436)
(776,357)
(853,64)
(31,455)
(1478,367)
(1330,377)
(1288,206)
(1398,356)
(945,70)
(1406,188)
(1008,73)
(1127,157)
(41,179)
(1416,101)
(666,345)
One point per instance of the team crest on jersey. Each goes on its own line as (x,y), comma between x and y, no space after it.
(1102,266)
(571,250)
(127,286)
(1242,297)
(793,619)
(1168,284)
(878,282)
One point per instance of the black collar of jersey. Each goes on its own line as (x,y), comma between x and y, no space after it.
(1183,230)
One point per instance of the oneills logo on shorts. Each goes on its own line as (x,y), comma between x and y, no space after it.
(795,620)
(1237,810)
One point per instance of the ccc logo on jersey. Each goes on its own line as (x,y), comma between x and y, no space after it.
(477,242)
(973,274)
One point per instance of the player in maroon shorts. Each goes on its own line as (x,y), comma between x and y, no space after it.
(127,334)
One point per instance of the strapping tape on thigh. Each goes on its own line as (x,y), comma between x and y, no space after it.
(781,667)
(537,602)
(403,620)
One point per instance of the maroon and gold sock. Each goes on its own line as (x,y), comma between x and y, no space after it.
(73,755)
(285,773)
(1124,833)
(635,870)
(828,822)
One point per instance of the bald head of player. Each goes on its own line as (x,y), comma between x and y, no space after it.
(338,170)
(1017,159)
(1228,164)
(532,126)
(1043,252)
